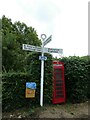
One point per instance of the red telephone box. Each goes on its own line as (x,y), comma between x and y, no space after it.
(58,82)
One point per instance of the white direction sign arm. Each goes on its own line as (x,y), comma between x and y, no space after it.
(31,48)
(47,40)
(53,50)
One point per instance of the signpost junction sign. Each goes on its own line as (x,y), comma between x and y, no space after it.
(42,57)
(40,49)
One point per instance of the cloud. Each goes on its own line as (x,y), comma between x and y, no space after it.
(46,11)
(42,10)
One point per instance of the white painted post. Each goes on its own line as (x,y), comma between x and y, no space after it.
(43,36)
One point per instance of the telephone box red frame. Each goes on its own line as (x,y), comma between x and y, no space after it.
(59,95)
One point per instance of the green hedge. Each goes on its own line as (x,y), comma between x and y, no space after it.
(13,90)
(77,78)
(35,72)
(14,84)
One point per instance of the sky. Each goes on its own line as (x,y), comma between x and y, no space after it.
(65,20)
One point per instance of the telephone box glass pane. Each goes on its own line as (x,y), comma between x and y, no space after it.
(59,88)
(58,96)
(58,76)
(59,84)
(59,71)
(59,81)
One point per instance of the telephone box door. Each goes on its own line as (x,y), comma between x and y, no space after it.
(58,83)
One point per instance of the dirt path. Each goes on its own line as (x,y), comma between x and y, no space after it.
(52,111)
(65,111)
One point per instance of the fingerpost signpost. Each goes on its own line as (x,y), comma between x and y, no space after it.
(42,57)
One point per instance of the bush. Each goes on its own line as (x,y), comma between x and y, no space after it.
(76,78)
(35,72)
(13,90)
(14,84)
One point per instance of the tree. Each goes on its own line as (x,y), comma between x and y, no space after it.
(13,36)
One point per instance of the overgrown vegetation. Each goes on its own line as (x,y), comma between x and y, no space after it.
(77,78)
(13,36)
(14,84)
